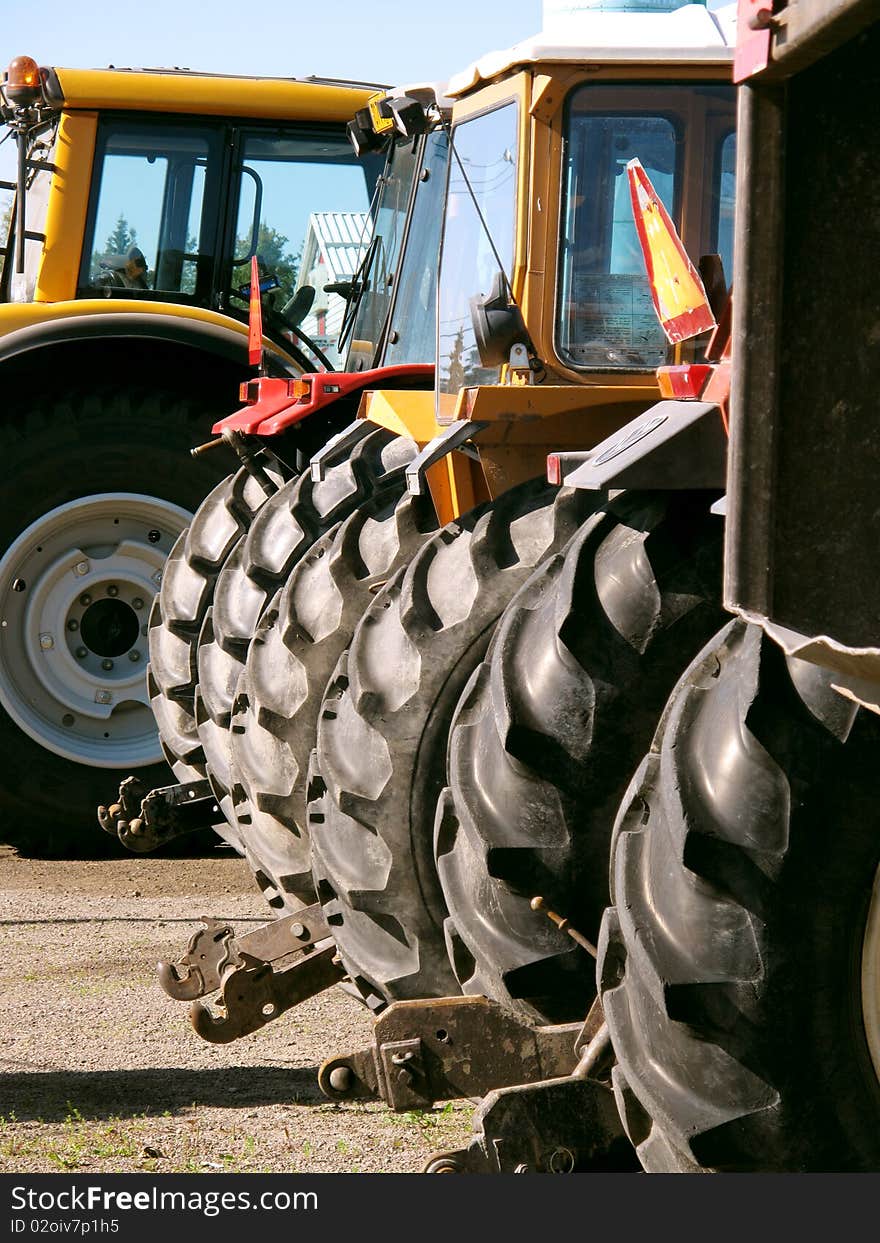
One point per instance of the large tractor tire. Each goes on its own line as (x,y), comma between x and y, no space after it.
(297,644)
(383,728)
(281,534)
(179,609)
(548,734)
(101,486)
(739,966)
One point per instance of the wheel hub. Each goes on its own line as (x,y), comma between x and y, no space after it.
(75,593)
(109,627)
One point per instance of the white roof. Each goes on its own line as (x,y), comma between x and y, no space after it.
(339,237)
(426,93)
(686,35)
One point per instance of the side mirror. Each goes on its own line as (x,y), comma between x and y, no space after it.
(297,308)
(498,323)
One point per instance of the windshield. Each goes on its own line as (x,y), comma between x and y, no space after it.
(160,225)
(380,263)
(482,183)
(683,137)
(412,338)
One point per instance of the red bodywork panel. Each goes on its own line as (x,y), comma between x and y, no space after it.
(752,38)
(683,381)
(273,405)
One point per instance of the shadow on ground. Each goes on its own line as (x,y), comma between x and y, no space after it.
(95,845)
(54,1096)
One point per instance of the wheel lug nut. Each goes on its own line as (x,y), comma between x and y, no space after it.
(85,598)
(137,603)
(46,642)
(81,653)
(134,656)
(81,568)
(112,590)
(73,624)
(157,578)
(107,665)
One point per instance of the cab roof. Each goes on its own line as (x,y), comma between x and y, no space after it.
(687,35)
(186,91)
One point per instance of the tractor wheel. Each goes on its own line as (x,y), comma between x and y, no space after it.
(548,734)
(281,534)
(383,729)
(179,609)
(739,967)
(85,543)
(298,642)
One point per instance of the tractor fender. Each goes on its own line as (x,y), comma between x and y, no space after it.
(218,339)
(674,445)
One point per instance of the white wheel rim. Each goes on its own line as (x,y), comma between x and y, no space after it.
(75,593)
(871,976)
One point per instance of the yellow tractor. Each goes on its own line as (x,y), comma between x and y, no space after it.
(140,200)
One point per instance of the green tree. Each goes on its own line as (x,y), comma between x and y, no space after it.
(275,260)
(121,239)
(119,242)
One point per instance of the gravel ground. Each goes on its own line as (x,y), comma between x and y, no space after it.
(100,1070)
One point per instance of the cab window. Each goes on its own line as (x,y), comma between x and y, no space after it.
(605,316)
(303,208)
(154,223)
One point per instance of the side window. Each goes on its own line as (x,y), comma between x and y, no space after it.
(152,232)
(606,317)
(725,188)
(303,209)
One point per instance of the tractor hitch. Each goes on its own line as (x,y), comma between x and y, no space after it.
(561,1126)
(259,975)
(144,820)
(564,1125)
(441,1049)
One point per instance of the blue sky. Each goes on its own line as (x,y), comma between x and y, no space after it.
(397,42)
(373,40)
(334,39)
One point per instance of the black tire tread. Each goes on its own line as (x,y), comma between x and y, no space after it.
(382,733)
(302,633)
(742,868)
(179,609)
(547,736)
(281,534)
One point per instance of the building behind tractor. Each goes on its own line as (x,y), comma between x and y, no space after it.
(140,199)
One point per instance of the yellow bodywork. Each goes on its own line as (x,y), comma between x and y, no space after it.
(569,410)
(81,94)
(205,94)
